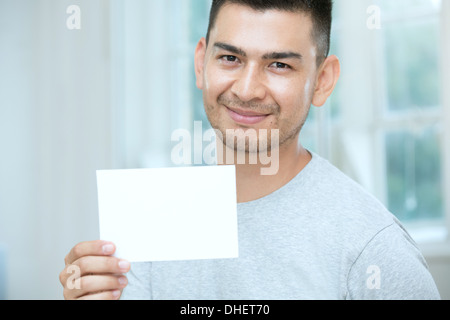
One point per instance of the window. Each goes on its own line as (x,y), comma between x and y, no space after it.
(411,111)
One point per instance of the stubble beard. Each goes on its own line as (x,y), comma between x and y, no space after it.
(249,140)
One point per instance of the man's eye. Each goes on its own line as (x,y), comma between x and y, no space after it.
(229,58)
(280,65)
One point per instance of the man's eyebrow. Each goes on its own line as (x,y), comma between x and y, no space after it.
(230,48)
(282,55)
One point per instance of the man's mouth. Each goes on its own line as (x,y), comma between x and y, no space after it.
(246,117)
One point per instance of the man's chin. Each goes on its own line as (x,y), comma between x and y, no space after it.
(249,140)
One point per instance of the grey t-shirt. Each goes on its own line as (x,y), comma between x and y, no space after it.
(319,237)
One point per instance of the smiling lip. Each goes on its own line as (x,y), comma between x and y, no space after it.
(246,117)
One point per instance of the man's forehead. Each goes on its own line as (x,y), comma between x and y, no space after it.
(275,30)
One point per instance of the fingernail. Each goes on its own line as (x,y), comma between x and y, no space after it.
(108,249)
(123,281)
(124,265)
(116,293)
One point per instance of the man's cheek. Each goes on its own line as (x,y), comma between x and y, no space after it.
(217,82)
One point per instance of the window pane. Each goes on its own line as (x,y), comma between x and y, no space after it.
(411,49)
(412,64)
(414,174)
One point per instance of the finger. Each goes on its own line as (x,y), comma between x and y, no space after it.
(105,295)
(70,276)
(90,248)
(92,266)
(89,285)
(101,265)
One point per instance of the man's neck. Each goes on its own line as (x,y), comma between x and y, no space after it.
(251,184)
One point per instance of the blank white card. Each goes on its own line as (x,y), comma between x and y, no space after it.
(169,214)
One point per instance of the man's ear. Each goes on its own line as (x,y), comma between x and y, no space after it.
(200,52)
(327,78)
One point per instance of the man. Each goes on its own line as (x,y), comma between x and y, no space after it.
(306,232)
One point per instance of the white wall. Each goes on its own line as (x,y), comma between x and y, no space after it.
(54,133)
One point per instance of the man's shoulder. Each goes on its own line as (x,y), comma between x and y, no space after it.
(331,198)
(328,177)
(326,186)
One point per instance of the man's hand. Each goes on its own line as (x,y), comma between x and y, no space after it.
(91,273)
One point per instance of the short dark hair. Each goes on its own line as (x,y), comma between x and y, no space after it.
(320,12)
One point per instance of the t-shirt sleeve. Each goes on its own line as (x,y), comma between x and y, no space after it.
(391,267)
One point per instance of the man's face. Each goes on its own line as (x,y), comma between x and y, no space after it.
(258,71)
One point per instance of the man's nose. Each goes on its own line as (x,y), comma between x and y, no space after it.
(248,85)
